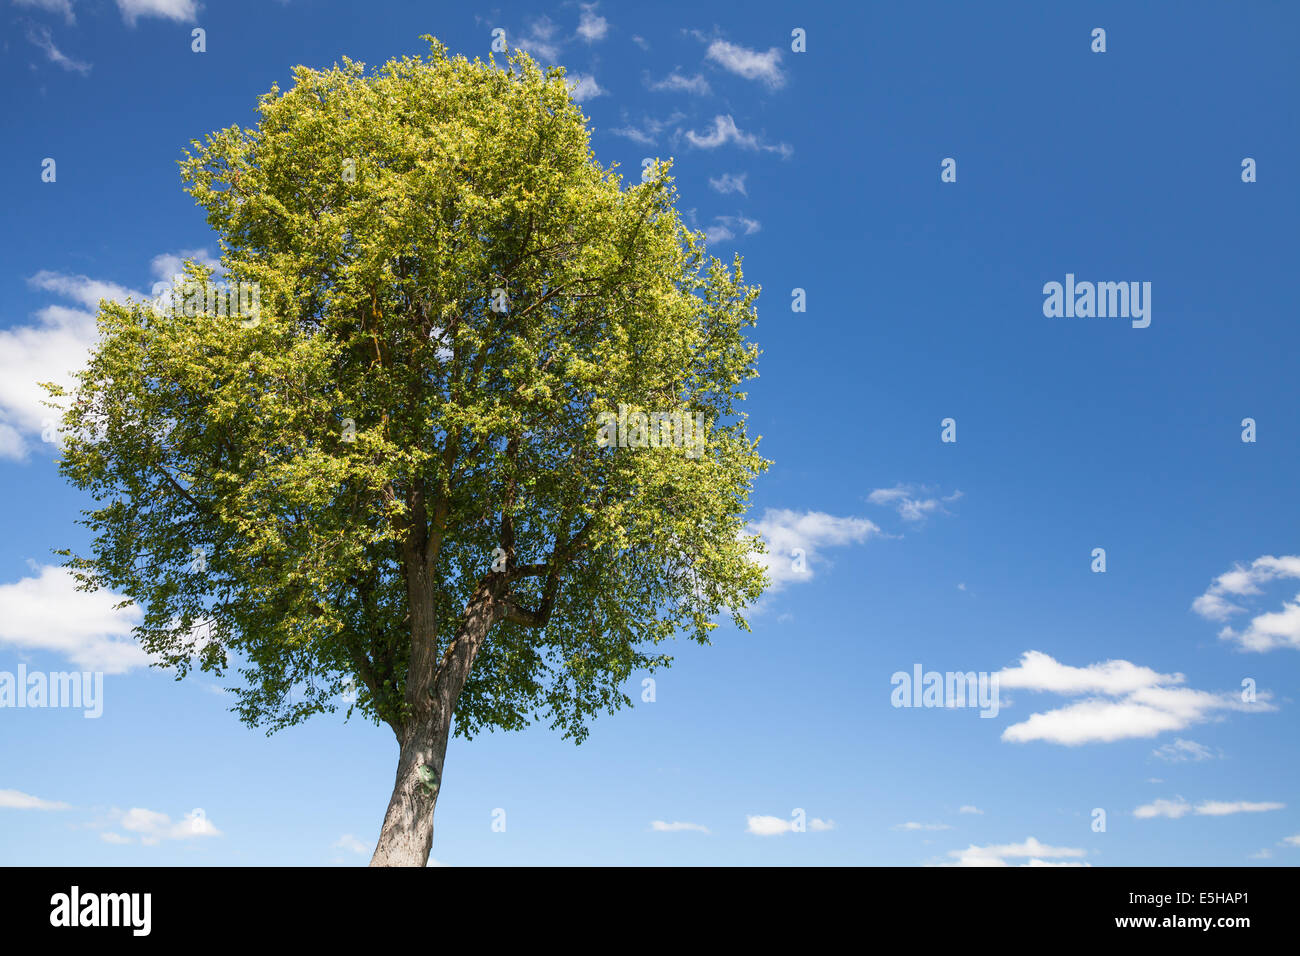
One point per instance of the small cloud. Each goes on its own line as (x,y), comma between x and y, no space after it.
(17,800)
(912,502)
(750,64)
(180,11)
(41,38)
(729,183)
(922,826)
(760,825)
(726,131)
(1178,807)
(591,26)
(584,87)
(728,227)
(795,540)
(1262,855)
(676,82)
(1031,851)
(350,843)
(659,826)
(1267,631)
(1182,750)
(108,836)
(969,809)
(153,827)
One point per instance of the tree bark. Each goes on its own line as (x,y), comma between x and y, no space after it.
(407,834)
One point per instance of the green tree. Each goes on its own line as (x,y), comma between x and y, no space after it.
(394,476)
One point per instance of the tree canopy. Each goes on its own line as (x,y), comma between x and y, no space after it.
(451,291)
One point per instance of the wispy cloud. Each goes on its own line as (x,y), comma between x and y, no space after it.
(751,64)
(350,843)
(181,11)
(1181,751)
(922,826)
(1032,852)
(659,826)
(676,82)
(760,825)
(726,131)
(912,502)
(729,227)
(17,800)
(729,183)
(150,827)
(1178,807)
(41,38)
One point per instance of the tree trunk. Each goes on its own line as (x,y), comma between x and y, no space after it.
(407,834)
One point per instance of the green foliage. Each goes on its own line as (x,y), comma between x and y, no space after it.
(475,430)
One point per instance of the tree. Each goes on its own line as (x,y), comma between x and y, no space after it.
(439,456)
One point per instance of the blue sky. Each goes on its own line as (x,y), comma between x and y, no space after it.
(1120,691)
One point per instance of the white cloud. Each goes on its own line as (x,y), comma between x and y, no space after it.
(152,827)
(591,26)
(659,826)
(17,800)
(1135,701)
(1262,855)
(786,531)
(677,82)
(912,502)
(1033,852)
(181,11)
(41,38)
(1178,807)
(922,826)
(1163,808)
(48,613)
(726,131)
(541,39)
(969,809)
(1222,808)
(750,64)
(108,836)
(649,130)
(1182,750)
(1291,840)
(168,265)
(775,826)
(728,227)
(63,7)
(350,843)
(584,87)
(729,183)
(1267,631)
